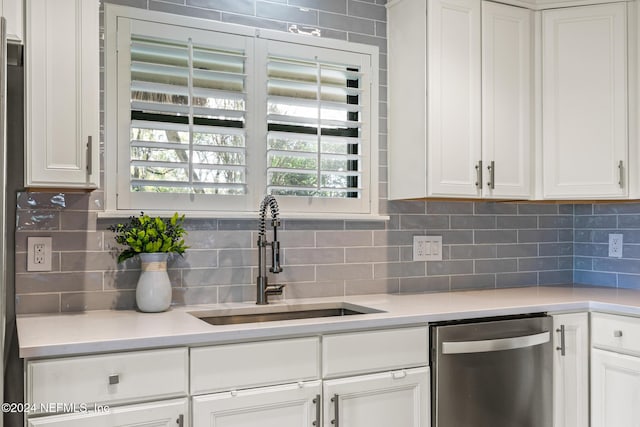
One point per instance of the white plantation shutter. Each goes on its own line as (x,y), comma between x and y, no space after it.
(187,117)
(314,128)
(187,104)
(211,116)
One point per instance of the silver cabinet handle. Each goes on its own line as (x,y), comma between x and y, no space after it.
(180,420)
(621,174)
(114,379)
(316,402)
(562,347)
(492,175)
(89,155)
(499,344)
(336,411)
(479,175)
(617,333)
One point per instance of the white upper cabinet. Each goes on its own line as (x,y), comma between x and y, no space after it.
(62,94)
(12,11)
(506,101)
(584,99)
(453,98)
(459,103)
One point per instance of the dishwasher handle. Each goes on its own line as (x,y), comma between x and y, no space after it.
(482,346)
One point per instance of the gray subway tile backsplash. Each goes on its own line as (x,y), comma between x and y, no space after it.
(245,7)
(596,221)
(286,13)
(347,23)
(335,6)
(485,244)
(473,281)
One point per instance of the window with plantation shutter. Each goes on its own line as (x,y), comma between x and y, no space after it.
(313,119)
(187,117)
(211,117)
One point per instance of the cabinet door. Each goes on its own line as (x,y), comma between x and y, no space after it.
(571,370)
(291,405)
(506,101)
(453,97)
(615,389)
(584,102)
(173,413)
(62,93)
(407,99)
(399,398)
(12,11)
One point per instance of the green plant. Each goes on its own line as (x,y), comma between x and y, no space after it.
(143,234)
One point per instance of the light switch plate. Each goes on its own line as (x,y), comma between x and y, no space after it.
(427,248)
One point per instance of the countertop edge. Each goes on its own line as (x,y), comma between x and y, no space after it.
(401,311)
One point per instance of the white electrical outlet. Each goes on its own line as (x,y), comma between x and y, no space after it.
(39,253)
(615,245)
(427,248)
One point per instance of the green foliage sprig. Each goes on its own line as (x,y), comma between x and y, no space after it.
(143,234)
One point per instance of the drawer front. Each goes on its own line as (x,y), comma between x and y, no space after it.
(166,413)
(109,379)
(374,351)
(613,332)
(255,364)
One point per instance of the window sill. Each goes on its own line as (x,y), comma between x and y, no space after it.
(247,215)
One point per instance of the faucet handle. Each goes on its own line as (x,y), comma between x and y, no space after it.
(274,289)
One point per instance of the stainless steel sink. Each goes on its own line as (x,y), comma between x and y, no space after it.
(276,312)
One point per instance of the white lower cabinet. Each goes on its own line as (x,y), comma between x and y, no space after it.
(137,388)
(615,389)
(372,378)
(615,371)
(290,405)
(571,370)
(398,398)
(172,413)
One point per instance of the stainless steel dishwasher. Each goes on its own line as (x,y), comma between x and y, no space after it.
(492,373)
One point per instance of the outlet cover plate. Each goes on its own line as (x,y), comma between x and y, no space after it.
(39,253)
(615,245)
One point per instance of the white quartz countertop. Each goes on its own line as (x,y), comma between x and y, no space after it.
(110,330)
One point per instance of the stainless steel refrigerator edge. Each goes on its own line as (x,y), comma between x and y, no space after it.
(3,209)
(12,176)
(495,373)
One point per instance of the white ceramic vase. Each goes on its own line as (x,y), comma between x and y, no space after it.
(153,293)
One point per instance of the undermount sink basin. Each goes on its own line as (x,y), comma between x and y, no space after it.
(278,312)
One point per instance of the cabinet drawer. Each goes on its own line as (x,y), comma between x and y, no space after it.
(165,413)
(362,352)
(255,364)
(613,332)
(110,379)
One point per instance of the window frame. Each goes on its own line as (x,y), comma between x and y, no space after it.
(117,123)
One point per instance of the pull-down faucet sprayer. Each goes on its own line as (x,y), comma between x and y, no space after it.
(263,288)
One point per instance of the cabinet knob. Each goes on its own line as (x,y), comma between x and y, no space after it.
(399,374)
(617,333)
(114,379)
